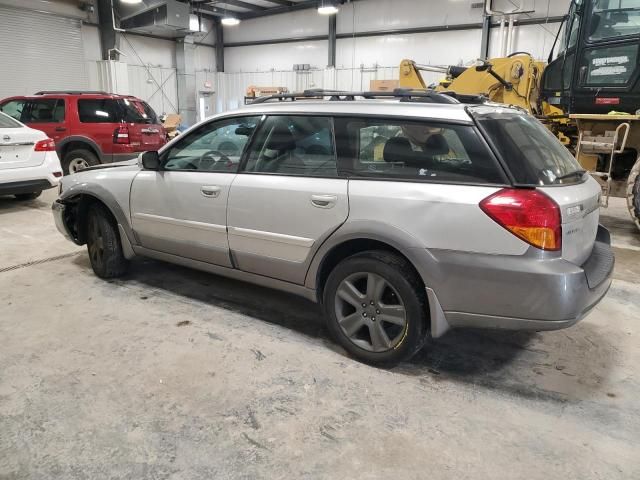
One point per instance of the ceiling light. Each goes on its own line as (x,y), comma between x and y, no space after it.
(327,8)
(230,21)
(131,1)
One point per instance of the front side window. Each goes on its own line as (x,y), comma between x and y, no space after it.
(533,155)
(614,18)
(47,110)
(214,147)
(13,108)
(431,151)
(99,110)
(294,145)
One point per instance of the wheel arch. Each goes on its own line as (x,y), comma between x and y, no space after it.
(78,142)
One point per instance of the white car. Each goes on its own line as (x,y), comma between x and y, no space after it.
(29,163)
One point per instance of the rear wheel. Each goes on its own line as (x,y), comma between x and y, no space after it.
(103,244)
(376,308)
(633,193)
(77,160)
(28,196)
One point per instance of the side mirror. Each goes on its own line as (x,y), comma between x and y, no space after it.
(151,160)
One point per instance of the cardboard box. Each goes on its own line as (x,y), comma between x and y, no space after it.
(384,85)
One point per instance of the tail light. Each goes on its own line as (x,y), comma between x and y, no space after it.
(46,145)
(121,135)
(528,214)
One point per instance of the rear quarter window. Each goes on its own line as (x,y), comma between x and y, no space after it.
(99,110)
(414,150)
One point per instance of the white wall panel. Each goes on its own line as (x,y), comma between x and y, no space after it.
(535,39)
(275,56)
(205,58)
(289,25)
(385,15)
(92,53)
(155,85)
(441,48)
(148,51)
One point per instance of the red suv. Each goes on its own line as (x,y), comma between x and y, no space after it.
(90,127)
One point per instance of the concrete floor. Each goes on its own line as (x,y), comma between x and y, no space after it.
(176,374)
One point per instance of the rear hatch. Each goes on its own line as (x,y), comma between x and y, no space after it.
(535,158)
(17,144)
(145,129)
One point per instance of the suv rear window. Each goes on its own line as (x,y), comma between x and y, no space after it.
(99,110)
(531,152)
(430,151)
(136,111)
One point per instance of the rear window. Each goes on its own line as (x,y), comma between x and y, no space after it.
(7,122)
(531,152)
(99,110)
(136,111)
(403,149)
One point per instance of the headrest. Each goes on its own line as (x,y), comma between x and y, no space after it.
(397,149)
(436,145)
(281,139)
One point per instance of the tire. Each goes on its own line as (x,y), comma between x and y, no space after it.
(103,244)
(28,196)
(633,193)
(76,160)
(356,328)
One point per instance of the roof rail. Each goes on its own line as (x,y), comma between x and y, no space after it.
(405,95)
(72,92)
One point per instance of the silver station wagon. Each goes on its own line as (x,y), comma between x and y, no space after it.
(403,215)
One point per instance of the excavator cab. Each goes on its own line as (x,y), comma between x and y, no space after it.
(596,67)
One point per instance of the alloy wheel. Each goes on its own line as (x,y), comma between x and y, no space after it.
(96,241)
(370,312)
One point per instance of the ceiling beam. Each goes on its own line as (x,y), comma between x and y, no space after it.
(239,3)
(213,13)
(282,3)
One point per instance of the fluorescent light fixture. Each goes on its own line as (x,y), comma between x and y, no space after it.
(230,21)
(327,8)
(131,1)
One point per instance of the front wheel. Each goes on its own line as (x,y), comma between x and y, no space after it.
(376,308)
(103,244)
(633,193)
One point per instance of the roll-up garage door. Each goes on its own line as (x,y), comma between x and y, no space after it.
(39,51)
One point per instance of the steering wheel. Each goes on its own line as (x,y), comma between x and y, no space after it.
(208,159)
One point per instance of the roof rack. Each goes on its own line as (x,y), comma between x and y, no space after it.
(72,92)
(404,94)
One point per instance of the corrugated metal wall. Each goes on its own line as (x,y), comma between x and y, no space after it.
(39,52)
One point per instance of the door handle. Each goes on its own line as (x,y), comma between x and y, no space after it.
(323,201)
(211,191)
(61,129)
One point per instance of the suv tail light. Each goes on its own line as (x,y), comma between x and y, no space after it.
(527,213)
(121,135)
(46,145)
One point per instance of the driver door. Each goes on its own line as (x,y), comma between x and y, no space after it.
(182,208)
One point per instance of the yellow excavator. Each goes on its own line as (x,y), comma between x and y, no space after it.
(588,95)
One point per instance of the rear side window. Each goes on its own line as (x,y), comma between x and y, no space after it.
(397,148)
(294,145)
(532,153)
(7,122)
(47,110)
(136,111)
(99,110)
(13,108)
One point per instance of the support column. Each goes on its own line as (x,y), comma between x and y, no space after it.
(486,33)
(332,41)
(219,46)
(186,71)
(109,37)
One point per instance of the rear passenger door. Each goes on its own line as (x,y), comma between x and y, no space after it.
(99,119)
(287,197)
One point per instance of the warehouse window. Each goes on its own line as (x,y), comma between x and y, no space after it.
(300,145)
(429,151)
(99,111)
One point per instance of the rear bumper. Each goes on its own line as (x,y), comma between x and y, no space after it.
(520,293)
(24,186)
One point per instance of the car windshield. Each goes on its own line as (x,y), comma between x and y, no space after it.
(7,122)
(533,155)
